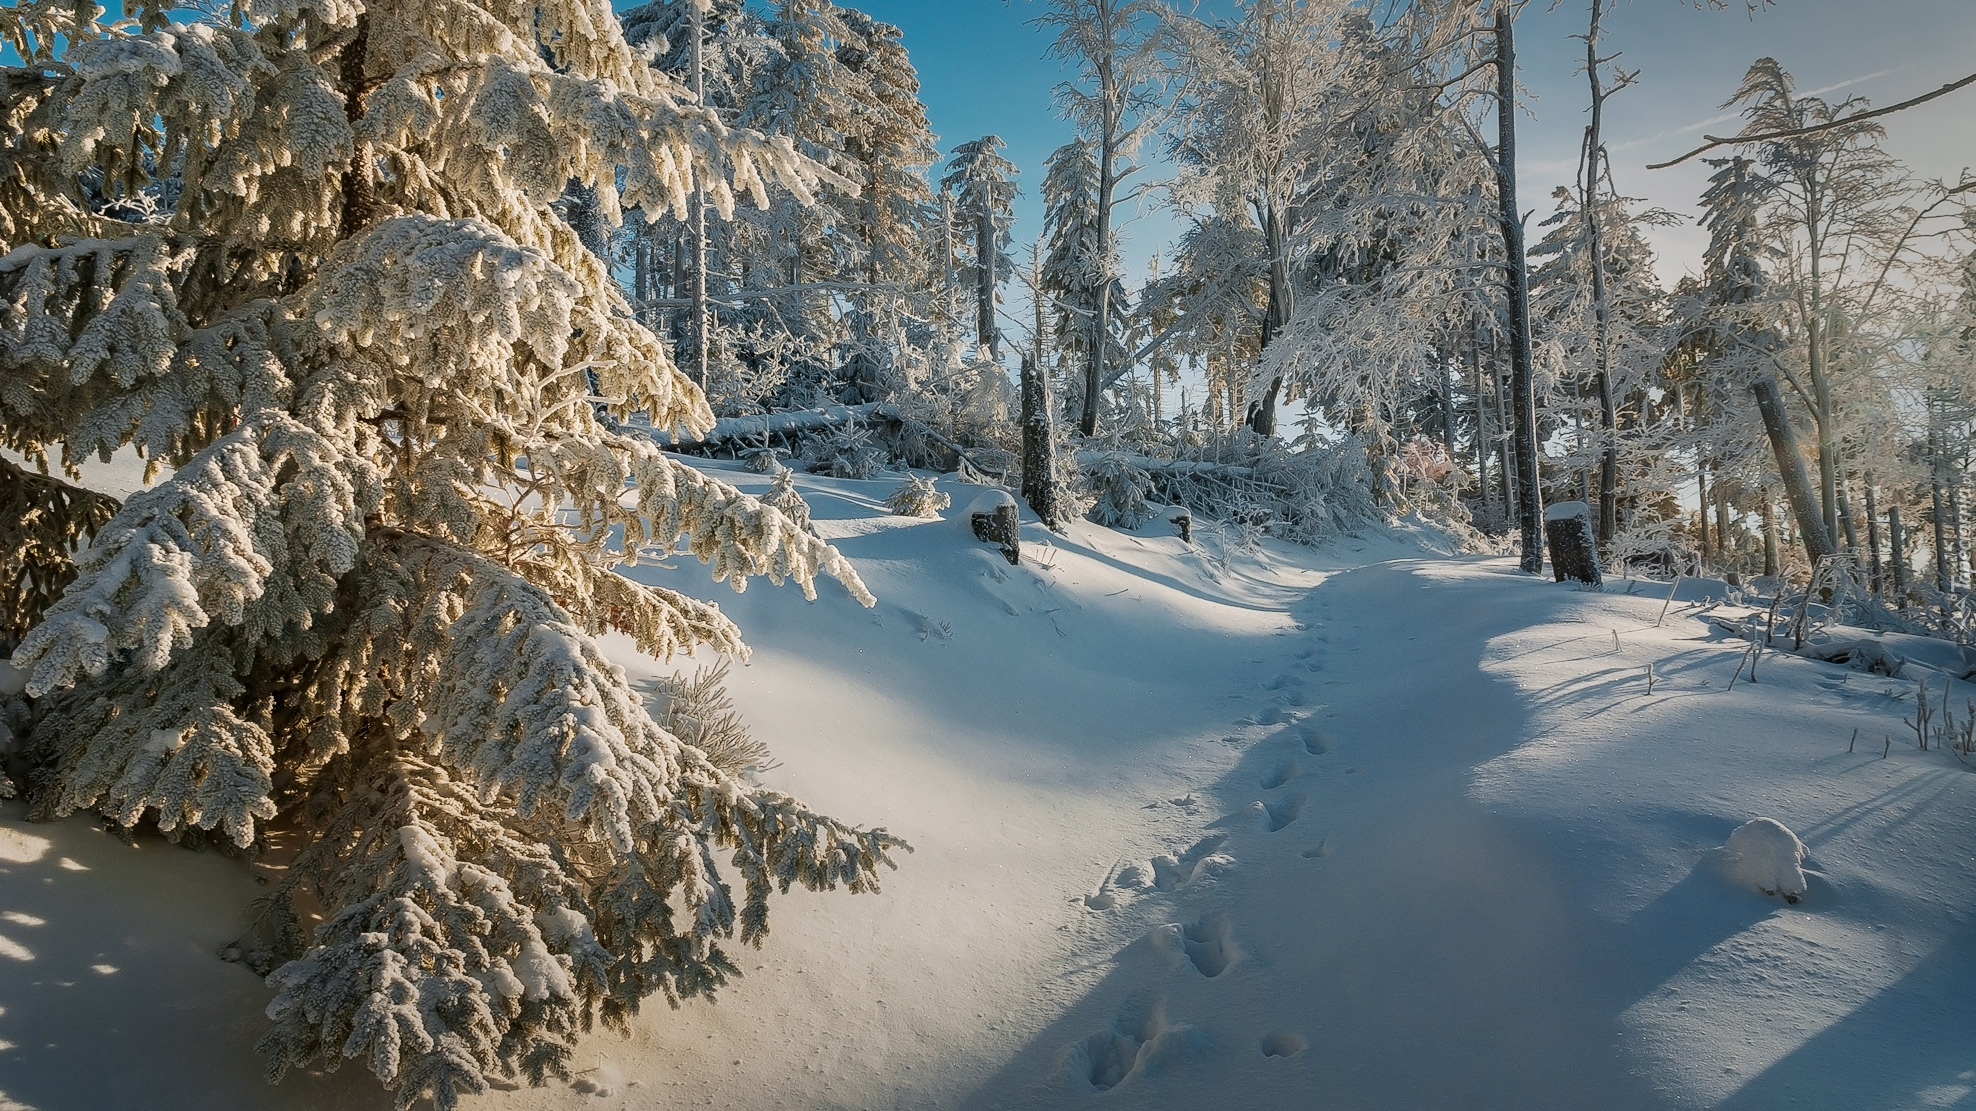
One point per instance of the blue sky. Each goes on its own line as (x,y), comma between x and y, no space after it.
(982,71)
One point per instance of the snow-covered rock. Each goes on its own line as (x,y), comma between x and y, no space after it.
(1766,855)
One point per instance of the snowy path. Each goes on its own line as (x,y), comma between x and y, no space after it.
(1346,829)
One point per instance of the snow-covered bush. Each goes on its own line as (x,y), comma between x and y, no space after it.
(1765,854)
(696,708)
(847,449)
(918,498)
(1118,491)
(365,604)
(783,498)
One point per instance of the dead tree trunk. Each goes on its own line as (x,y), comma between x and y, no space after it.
(1897,543)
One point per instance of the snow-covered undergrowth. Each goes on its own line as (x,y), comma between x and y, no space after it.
(1359,827)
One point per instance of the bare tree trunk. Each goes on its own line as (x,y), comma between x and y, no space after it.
(1897,540)
(1790,467)
(696,369)
(1262,415)
(1701,512)
(1530,509)
(1039,462)
(1770,561)
(1481,426)
(1601,309)
(1874,571)
(1722,550)
(1940,503)
(987,262)
(1846,526)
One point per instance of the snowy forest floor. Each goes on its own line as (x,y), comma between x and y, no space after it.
(1366,827)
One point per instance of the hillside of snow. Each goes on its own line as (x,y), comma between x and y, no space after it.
(1367,827)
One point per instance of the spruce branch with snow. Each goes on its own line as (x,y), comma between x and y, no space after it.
(918,498)
(351,323)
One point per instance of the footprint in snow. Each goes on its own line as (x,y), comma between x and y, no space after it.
(1284,1043)
(1318,851)
(1107,1057)
(1175,871)
(1279,814)
(1209,945)
(1281,774)
(1315,743)
(1272,715)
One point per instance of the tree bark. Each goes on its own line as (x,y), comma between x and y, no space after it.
(1530,509)
(1601,309)
(1876,576)
(1701,512)
(987,261)
(1039,463)
(1897,542)
(1770,561)
(1791,468)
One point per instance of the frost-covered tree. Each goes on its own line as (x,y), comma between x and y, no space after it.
(362,607)
(1115,99)
(982,184)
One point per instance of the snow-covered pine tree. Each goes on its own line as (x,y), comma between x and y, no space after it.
(362,607)
(982,184)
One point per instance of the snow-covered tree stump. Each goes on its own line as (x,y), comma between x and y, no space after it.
(996,520)
(1182,522)
(1574,547)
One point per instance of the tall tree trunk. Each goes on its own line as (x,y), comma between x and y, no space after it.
(987,261)
(1601,308)
(1481,427)
(1039,464)
(696,369)
(1262,413)
(1701,513)
(1530,509)
(1722,549)
(1791,468)
(1897,543)
(1770,561)
(1874,572)
(1939,499)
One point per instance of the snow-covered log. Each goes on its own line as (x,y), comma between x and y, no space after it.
(755,427)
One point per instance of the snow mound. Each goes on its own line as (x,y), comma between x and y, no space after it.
(1766,855)
(989,501)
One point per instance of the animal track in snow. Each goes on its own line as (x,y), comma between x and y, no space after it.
(1272,715)
(1282,812)
(1171,873)
(1106,1058)
(1315,743)
(1209,945)
(1281,774)
(1284,1043)
(1284,680)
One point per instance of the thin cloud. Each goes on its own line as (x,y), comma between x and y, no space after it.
(1702,125)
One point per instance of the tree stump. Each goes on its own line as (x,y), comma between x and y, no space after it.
(996,520)
(1574,547)
(1182,522)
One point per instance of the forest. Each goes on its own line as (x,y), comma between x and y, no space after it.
(434,338)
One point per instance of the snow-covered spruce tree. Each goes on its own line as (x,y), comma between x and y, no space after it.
(362,608)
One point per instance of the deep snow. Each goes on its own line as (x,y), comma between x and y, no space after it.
(1367,827)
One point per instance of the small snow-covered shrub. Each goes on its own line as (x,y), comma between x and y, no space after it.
(917,498)
(782,495)
(1766,855)
(846,450)
(697,709)
(1119,491)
